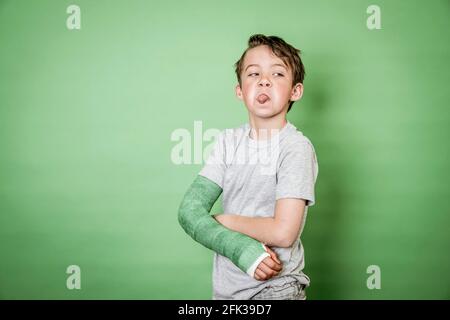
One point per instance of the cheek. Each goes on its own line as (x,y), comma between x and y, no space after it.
(247,89)
(284,91)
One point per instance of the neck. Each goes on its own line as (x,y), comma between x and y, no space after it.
(261,128)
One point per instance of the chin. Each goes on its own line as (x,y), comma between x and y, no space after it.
(268,113)
(264,112)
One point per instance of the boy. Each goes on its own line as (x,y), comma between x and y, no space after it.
(267,171)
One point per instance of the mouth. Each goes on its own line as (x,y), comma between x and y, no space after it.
(263,98)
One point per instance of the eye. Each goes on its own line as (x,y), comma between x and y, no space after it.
(280,74)
(254,73)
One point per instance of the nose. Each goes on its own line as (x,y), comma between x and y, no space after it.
(264,82)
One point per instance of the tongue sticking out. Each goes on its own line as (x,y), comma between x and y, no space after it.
(262,98)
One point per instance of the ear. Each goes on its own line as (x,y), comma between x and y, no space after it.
(238,91)
(297,92)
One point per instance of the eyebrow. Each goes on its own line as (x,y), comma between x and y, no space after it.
(257,65)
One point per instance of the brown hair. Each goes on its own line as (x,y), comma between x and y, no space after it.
(283,50)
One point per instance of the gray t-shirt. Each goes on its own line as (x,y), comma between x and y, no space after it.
(253,175)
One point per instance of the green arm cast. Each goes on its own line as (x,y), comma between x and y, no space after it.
(194,216)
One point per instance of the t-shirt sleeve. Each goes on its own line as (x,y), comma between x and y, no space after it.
(297,173)
(214,168)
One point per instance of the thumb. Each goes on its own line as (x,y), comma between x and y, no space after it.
(273,255)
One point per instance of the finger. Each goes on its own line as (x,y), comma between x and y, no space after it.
(273,255)
(256,276)
(272,264)
(270,251)
(260,274)
(267,270)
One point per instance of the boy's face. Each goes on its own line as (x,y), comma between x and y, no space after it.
(266,83)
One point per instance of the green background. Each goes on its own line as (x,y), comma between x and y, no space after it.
(86,117)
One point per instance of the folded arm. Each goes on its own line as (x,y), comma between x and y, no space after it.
(280,231)
(194,217)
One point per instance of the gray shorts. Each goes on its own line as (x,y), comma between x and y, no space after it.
(289,291)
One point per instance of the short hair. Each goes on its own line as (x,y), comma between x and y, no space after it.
(283,50)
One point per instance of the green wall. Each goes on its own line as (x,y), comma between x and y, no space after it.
(86,118)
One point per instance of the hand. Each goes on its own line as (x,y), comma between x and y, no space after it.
(269,267)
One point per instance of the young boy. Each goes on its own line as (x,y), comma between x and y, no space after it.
(266,170)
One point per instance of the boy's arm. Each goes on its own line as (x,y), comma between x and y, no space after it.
(296,178)
(194,216)
(280,231)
